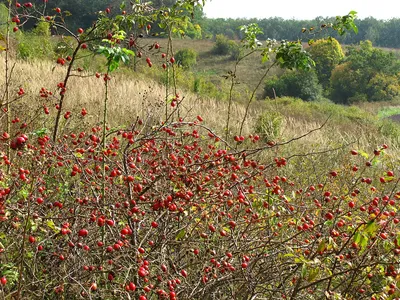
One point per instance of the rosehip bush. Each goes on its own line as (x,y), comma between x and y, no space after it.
(171,210)
(181,215)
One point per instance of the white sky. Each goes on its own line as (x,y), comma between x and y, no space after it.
(301,9)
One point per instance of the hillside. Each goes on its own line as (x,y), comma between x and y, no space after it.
(133,97)
(128,172)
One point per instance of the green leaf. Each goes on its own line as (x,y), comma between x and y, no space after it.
(180,235)
(321,246)
(52,226)
(304,271)
(313,273)
(371,228)
(128,52)
(78,155)
(364,242)
(357,237)
(41,132)
(24,193)
(363,154)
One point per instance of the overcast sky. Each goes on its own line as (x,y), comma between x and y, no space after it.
(301,9)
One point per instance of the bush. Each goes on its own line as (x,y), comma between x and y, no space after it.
(327,54)
(301,84)
(165,206)
(383,87)
(269,125)
(193,31)
(369,72)
(224,46)
(42,28)
(31,46)
(186,58)
(37,43)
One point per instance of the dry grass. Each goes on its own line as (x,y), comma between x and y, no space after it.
(130,98)
(214,67)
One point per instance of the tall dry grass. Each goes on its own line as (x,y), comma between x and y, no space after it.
(131,98)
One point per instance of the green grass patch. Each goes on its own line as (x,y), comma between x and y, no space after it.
(386,112)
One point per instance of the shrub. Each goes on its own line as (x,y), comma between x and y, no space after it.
(193,31)
(32,46)
(42,28)
(37,43)
(223,46)
(301,84)
(367,71)
(383,87)
(186,58)
(269,125)
(165,207)
(327,54)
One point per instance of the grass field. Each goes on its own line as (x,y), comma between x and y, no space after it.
(132,96)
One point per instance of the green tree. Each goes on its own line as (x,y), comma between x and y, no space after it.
(344,83)
(223,46)
(383,87)
(327,54)
(186,58)
(82,13)
(299,84)
(368,74)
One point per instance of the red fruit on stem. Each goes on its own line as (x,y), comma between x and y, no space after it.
(3,280)
(83,232)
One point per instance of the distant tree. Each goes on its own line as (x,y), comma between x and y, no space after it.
(327,54)
(163,3)
(223,45)
(299,84)
(344,84)
(83,13)
(186,58)
(368,74)
(383,87)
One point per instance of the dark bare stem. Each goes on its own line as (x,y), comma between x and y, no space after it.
(62,97)
(7,79)
(103,142)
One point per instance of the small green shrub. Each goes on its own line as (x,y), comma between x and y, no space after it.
(42,28)
(36,44)
(223,46)
(31,46)
(269,125)
(235,51)
(389,129)
(187,58)
(301,84)
(3,17)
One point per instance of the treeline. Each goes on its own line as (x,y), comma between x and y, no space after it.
(362,73)
(382,33)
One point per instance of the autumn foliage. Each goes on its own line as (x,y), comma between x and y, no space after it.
(172,209)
